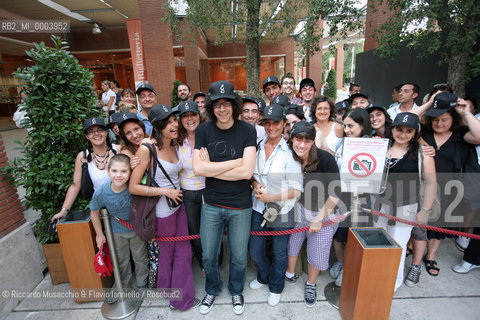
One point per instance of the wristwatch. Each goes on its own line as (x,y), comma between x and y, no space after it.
(427,210)
(66,210)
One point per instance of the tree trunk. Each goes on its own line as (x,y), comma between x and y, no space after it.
(253,48)
(456,70)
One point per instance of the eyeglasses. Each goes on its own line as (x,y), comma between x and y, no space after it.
(300,141)
(308,89)
(93,131)
(225,104)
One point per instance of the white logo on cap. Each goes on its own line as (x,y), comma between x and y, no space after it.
(435,104)
(222,88)
(278,100)
(270,111)
(165,109)
(405,118)
(93,121)
(125,117)
(186,106)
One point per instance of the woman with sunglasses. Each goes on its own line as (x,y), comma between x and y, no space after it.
(98,153)
(319,166)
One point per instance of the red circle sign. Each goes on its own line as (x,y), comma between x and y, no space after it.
(362,165)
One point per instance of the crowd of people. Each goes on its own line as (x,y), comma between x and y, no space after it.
(225,162)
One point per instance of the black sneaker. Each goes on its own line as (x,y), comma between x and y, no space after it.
(292,280)
(238,304)
(207,303)
(413,276)
(310,298)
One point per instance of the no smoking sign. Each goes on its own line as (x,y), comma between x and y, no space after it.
(362,165)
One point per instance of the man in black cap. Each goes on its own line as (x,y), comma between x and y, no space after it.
(307,92)
(359,100)
(225,149)
(271,87)
(251,114)
(147,99)
(342,108)
(199,99)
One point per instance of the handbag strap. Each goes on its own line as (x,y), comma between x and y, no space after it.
(165,173)
(153,154)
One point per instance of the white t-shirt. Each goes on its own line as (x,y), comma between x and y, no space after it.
(106,97)
(394,111)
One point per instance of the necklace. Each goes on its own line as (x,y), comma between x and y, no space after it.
(101,160)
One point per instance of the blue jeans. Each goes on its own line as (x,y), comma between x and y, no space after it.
(271,272)
(212,225)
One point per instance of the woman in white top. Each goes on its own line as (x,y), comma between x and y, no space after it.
(175,260)
(98,153)
(323,118)
(278,181)
(108,98)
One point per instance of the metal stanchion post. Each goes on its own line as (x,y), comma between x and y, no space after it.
(331,291)
(123,307)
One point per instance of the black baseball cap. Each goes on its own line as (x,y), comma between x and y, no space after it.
(268,80)
(187,106)
(406,119)
(261,104)
(199,94)
(342,105)
(221,90)
(250,99)
(358,94)
(127,117)
(159,112)
(281,100)
(303,127)
(115,117)
(274,112)
(442,102)
(90,122)
(144,86)
(295,109)
(372,107)
(307,82)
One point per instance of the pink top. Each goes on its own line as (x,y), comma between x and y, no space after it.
(188,179)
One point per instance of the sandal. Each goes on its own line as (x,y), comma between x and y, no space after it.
(408,252)
(431,265)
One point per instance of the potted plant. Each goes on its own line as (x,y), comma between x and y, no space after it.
(59,96)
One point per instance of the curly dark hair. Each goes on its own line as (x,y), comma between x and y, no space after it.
(413,145)
(456,123)
(316,101)
(157,132)
(236,104)
(123,139)
(388,123)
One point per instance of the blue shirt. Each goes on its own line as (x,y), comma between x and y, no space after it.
(146,122)
(117,204)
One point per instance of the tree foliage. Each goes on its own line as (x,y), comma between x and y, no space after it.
(175,98)
(448,29)
(59,97)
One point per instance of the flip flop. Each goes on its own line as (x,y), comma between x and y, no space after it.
(431,265)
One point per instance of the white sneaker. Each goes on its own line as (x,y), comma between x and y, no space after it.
(335,269)
(462,243)
(273,299)
(464,267)
(254,284)
(207,303)
(338,282)
(238,304)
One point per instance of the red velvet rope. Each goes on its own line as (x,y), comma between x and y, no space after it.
(324,224)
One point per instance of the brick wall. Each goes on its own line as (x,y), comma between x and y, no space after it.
(374,20)
(11,212)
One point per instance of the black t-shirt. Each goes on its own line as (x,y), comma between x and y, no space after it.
(404,180)
(223,145)
(320,184)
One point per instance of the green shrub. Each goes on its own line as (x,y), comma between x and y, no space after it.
(330,89)
(175,99)
(59,97)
